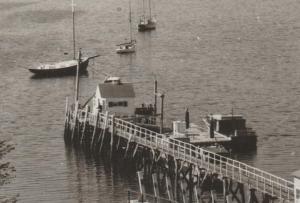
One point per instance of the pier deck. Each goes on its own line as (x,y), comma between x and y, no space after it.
(225,167)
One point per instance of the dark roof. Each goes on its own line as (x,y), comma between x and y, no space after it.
(108,90)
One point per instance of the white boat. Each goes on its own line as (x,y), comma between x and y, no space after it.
(127,47)
(147,23)
(124,48)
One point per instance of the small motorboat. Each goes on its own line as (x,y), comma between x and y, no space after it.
(124,48)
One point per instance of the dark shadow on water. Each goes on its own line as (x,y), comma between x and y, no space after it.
(111,177)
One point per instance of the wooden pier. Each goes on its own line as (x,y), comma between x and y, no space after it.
(193,171)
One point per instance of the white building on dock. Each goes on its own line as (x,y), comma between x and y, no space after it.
(115,97)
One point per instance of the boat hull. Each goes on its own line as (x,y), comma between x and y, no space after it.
(243,138)
(125,51)
(68,70)
(146,26)
(243,143)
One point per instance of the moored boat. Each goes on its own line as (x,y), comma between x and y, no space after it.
(62,68)
(147,23)
(68,67)
(233,126)
(127,47)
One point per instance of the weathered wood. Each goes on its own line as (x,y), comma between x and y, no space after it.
(84,124)
(75,124)
(155,185)
(95,129)
(112,132)
(169,188)
(103,131)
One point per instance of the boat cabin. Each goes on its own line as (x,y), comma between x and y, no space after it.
(115,97)
(227,124)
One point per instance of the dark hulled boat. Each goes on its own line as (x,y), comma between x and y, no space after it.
(60,68)
(64,67)
(242,137)
(147,23)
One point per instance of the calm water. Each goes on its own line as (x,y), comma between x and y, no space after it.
(207,55)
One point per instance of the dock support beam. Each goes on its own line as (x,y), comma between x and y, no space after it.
(155,97)
(112,133)
(253,198)
(84,125)
(95,129)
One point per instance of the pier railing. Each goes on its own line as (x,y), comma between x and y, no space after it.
(256,178)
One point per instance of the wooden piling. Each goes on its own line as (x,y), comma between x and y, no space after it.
(169,188)
(95,128)
(155,185)
(84,124)
(112,130)
(103,131)
(75,122)
(225,190)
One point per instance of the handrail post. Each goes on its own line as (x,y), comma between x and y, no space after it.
(214,162)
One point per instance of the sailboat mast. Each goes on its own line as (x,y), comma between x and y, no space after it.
(130,21)
(149,9)
(77,77)
(144,10)
(73,19)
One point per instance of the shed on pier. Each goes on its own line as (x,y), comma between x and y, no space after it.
(115,97)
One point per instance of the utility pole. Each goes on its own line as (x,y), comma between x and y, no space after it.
(162,96)
(77,76)
(155,97)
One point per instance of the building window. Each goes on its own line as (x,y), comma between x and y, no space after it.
(120,103)
(297,194)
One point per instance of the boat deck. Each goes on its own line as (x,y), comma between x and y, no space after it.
(198,135)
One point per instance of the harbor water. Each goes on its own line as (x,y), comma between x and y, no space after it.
(209,56)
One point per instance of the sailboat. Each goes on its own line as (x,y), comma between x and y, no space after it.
(146,24)
(64,67)
(127,47)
